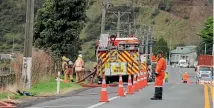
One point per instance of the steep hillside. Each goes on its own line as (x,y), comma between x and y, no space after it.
(180,20)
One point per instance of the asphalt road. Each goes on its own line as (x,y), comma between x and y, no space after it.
(175,95)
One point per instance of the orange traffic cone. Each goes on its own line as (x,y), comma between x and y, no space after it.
(130,88)
(104,94)
(138,82)
(146,79)
(120,88)
(141,80)
(135,84)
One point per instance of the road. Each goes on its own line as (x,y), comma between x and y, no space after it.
(175,95)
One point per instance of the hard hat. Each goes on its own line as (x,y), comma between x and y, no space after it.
(159,52)
(80,55)
(64,58)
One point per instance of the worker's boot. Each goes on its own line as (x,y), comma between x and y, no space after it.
(156,94)
(160,93)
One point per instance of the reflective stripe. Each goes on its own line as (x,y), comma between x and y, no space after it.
(104,89)
(120,85)
(129,84)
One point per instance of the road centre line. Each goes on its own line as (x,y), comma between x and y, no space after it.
(211,90)
(206,97)
(101,103)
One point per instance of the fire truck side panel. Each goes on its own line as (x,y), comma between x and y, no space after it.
(131,59)
(103,59)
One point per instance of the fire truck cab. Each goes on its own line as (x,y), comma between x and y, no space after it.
(118,56)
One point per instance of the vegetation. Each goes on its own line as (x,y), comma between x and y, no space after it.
(207,37)
(58,26)
(45,88)
(12,22)
(161,44)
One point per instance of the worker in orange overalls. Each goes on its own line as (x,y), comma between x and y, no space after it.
(185,77)
(79,68)
(159,76)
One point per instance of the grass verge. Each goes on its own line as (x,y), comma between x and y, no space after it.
(47,88)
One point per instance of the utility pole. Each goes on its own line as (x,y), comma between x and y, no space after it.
(13,45)
(151,42)
(27,59)
(118,23)
(205,48)
(103,16)
(170,40)
(147,42)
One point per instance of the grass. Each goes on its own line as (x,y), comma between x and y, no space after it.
(50,86)
(47,88)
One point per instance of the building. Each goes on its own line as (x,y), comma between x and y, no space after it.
(184,52)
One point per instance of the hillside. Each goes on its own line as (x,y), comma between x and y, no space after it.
(181,20)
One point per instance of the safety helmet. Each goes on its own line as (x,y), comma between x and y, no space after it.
(80,55)
(159,52)
(64,58)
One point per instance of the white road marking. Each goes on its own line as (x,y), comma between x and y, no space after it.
(101,103)
(58,106)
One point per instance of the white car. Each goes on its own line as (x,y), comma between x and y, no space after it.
(183,63)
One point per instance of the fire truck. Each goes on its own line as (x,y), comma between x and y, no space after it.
(119,56)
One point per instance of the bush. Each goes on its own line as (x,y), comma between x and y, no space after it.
(155,13)
(43,66)
(166,20)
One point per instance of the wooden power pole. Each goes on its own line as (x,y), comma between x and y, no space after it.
(27,59)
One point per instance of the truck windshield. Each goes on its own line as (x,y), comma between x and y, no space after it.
(205,69)
(182,62)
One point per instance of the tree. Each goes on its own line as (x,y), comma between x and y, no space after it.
(207,36)
(58,26)
(161,44)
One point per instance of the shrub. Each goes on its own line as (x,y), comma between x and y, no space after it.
(43,66)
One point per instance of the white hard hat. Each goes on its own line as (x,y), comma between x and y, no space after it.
(80,55)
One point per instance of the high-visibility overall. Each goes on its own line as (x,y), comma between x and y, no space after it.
(160,69)
(79,64)
(185,77)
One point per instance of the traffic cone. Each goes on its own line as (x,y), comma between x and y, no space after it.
(174,81)
(103,93)
(146,79)
(130,88)
(120,87)
(141,80)
(135,84)
(138,82)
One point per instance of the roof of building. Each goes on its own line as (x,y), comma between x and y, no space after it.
(184,50)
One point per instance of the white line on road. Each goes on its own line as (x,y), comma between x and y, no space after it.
(101,103)
(58,106)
